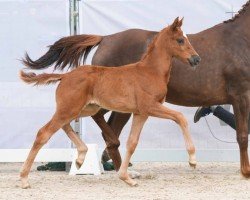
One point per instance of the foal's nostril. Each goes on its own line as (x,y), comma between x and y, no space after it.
(197,59)
(194,60)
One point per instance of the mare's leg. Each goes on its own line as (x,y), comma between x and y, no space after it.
(241,111)
(110,138)
(80,145)
(116,122)
(112,142)
(161,111)
(137,125)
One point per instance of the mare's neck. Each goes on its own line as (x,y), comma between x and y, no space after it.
(242,23)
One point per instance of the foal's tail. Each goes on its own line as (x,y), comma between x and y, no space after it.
(41,79)
(66,51)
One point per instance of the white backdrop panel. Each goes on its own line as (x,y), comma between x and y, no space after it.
(107,16)
(104,17)
(27,26)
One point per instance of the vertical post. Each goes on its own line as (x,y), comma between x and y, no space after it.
(232,12)
(74,17)
(74,30)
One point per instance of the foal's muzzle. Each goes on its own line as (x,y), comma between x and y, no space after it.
(194,60)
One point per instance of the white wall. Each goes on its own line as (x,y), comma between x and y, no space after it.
(29,25)
(106,17)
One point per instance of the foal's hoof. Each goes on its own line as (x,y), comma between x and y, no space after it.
(128,180)
(131,182)
(134,174)
(78,163)
(25,185)
(192,161)
(192,164)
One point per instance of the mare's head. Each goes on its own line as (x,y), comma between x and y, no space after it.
(178,44)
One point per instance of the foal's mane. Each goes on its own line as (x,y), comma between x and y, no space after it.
(151,46)
(243,9)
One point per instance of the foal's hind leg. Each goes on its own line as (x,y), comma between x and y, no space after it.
(82,148)
(44,134)
(159,110)
(80,145)
(137,125)
(42,137)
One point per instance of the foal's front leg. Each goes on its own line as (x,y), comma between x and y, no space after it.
(161,111)
(137,125)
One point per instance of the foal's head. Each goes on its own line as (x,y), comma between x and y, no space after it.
(178,45)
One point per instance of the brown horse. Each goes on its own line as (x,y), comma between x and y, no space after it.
(222,78)
(138,88)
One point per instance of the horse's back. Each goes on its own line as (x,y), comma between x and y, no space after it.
(131,44)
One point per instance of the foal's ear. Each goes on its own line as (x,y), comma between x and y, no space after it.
(175,24)
(181,22)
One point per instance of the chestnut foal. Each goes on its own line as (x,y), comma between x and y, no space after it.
(138,88)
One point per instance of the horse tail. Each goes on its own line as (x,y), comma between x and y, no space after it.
(41,79)
(66,51)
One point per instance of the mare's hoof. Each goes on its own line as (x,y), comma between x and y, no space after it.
(246,172)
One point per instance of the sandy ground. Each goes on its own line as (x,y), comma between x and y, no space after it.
(211,181)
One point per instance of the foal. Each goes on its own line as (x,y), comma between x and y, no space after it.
(138,88)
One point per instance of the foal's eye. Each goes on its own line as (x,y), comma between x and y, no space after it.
(180,41)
